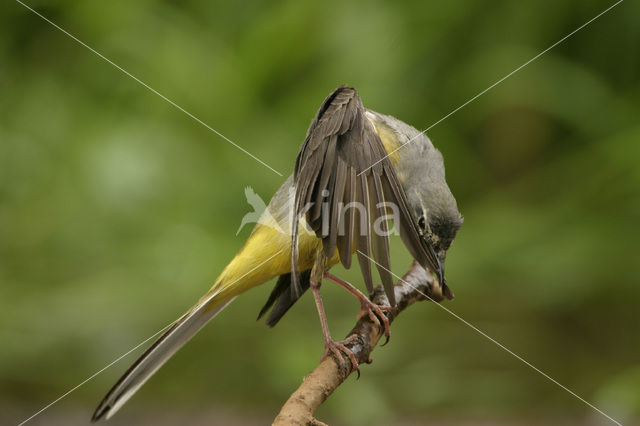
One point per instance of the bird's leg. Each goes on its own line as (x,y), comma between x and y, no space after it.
(375,311)
(337,348)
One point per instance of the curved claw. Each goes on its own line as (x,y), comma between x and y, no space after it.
(386,340)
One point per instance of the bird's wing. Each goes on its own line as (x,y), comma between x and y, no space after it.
(333,169)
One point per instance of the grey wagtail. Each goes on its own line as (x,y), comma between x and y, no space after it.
(355,170)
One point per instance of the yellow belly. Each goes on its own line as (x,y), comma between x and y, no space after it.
(265,255)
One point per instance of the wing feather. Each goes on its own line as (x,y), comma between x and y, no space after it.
(333,169)
(364,240)
(346,220)
(380,241)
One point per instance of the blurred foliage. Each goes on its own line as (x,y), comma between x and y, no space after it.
(117,210)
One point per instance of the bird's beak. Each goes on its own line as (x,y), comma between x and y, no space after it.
(447,293)
(441,256)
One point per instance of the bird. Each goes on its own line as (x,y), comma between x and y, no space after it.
(356,170)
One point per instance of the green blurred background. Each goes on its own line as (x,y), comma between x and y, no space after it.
(117,211)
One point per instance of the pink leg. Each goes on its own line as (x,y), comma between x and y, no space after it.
(376,312)
(337,348)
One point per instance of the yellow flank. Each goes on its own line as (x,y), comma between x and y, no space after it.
(265,255)
(389,141)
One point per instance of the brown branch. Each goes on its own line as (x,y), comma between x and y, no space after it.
(328,375)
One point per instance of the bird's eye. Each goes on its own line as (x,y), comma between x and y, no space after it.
(422,224)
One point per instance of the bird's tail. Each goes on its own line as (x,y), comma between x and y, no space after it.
(252,266)
(162,349)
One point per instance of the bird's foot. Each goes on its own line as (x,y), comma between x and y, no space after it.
(376,315)
(375,311)
(338,349)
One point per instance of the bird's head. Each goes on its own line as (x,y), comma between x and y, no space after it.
(420,170)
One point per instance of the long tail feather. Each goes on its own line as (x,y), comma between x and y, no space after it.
(161,350)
